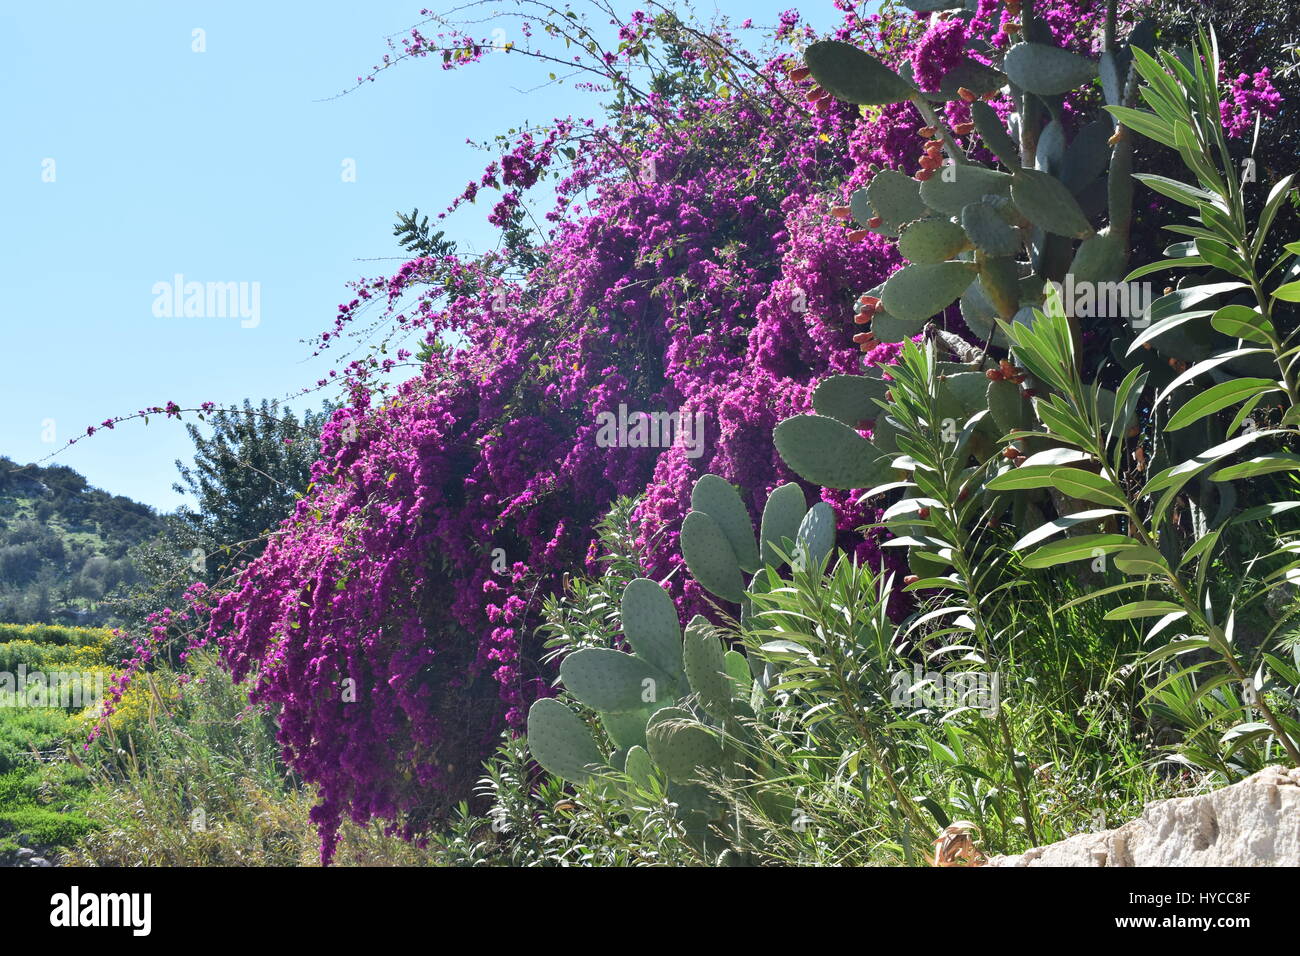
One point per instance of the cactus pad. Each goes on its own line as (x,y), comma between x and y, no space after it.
(710,558)
(718,499)
(611,681)
(995,135)
(1007,406)
(817,534)
(781,516)
(988,230)
(1047,70)
(639,767)
(1000,284)
(849,398)
(918,292)
(853,76)
(650,625)
(896,199)
(680,745)
(828,453)
(705,664)
(1049,204)
(561,742)
(931,240)
(956,187)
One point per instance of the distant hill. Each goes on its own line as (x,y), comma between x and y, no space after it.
(63,545)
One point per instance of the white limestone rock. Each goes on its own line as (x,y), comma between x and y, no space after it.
(1252,823)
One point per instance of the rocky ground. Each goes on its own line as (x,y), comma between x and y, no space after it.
(26,856)
(1252,823)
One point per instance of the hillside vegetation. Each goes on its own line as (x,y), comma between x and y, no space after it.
(64,545)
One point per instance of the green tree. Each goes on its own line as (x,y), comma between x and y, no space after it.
(246,474)
(250,466)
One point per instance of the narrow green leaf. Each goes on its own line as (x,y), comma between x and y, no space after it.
(1104,592)
(1139,609)
(1056,526)
(1288,293)
(1218,397)
(1087,486)
(1183,262)
(1077,549)
(1175,476)
(1188,195)
(1274,202)
(1148,124)
(1263,465)
(1201,368)
(1141,560)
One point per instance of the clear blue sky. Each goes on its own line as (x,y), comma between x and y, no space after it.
(223,166)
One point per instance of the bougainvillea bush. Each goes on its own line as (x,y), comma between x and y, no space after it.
(688,262)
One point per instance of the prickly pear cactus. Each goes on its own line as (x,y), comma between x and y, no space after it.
(718,542)
(675,707)
(1052,214)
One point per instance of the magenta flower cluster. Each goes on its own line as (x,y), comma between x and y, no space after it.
(390,619)
(1249,98)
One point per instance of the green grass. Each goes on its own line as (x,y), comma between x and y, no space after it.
(42,789)
(54,634)
(134,798)
(24,730)
(41,807)
(203,784)
(42,827)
